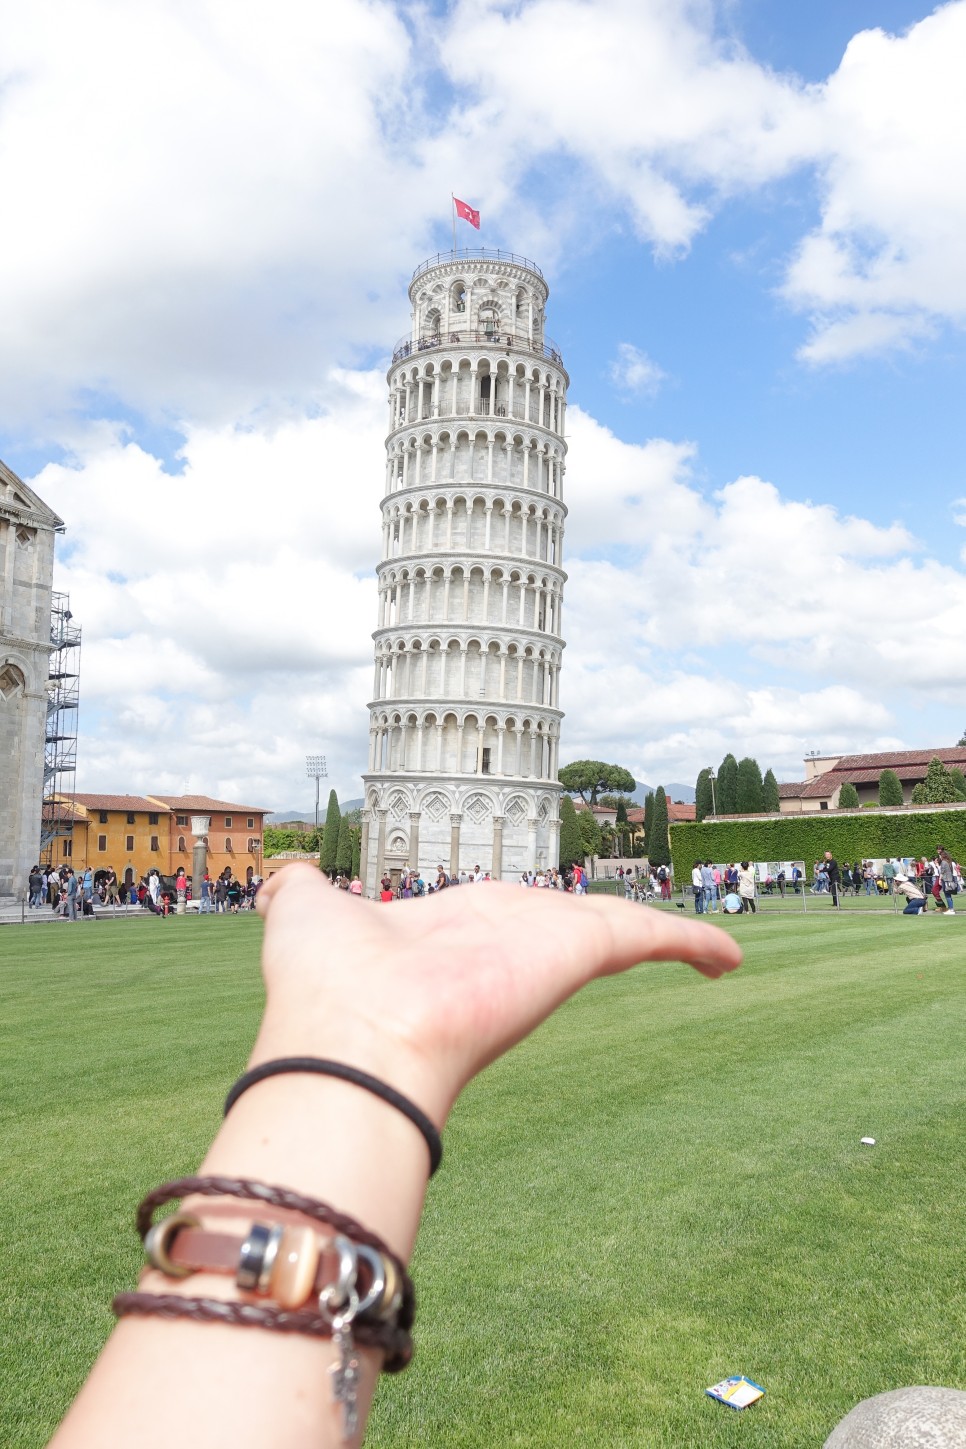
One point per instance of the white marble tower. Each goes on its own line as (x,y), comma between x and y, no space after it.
(465,719)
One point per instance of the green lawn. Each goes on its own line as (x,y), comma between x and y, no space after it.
(665,1185)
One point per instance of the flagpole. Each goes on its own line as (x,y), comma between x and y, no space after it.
(452,202)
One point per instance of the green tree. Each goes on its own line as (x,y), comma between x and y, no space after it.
(890,788)
(748,795)
(959,783)
(571,841)
(590,778)
(919,793)
(962,739)
(343,853)
(648,817)
(704,801)
(356,849)
(848,797)
(939,787)
(658,844)
(728,786)
(622,827)
(770,798)
(591,834)
(330,835)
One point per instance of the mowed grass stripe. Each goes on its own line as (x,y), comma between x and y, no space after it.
(662,1186)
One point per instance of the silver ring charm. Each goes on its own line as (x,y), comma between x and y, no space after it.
(157,1244)
(254,1250)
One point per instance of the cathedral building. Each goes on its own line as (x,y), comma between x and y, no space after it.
(27,531)
(465,716)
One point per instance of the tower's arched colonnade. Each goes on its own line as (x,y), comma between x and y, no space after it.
(465,715)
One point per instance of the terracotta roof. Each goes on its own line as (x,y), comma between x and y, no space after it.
(597,809)
(677,811)
(205,804)
(791,790)
(635,816)
(116,802)
(891,759)
(63,810)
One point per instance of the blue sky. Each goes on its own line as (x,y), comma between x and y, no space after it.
(750,215)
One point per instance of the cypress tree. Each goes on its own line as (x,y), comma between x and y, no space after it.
(728,786)
(590,833)
(648,817)
(848,797)
(571,841)
(330,835)
(356,849)
(622,827)
(770,798)
(658,842)
(890,788)
(343,853)
(704,801)
(748,795)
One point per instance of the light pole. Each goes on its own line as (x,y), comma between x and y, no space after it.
(712,777)
(316,770)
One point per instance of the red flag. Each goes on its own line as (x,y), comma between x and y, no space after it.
(467,213)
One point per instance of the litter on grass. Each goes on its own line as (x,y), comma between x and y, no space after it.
(737,1392)
(868,1141)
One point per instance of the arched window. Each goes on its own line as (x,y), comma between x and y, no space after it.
(431,323)
(11,681)
(181,844)
(489,319)
(228,844)
(458,302)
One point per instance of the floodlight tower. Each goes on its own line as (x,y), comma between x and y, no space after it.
(465,719)
(315,769)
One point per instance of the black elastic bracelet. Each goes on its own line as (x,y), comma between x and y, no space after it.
(324,1068)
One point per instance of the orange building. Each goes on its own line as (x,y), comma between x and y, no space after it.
(134,834)
(234,835)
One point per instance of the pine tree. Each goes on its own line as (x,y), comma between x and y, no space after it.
(890,788)
(728,786)
(770,798)
(571,842)
(343,854)
(939,788)
(704,801)
(848,797)
(749,788)
(330,835)
(658,842)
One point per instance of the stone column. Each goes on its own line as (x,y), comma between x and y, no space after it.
(382,815)
(200,826)
(414,839)
(454,844)
(364,850)
(531,844)
(554,842)
(496,869)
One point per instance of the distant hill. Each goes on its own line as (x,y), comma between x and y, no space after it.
(309,815)
(675,791)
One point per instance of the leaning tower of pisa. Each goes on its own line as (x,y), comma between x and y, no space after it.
(465,718)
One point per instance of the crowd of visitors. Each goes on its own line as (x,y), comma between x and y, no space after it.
(75,895)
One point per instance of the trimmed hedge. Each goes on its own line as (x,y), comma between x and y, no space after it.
(869,834)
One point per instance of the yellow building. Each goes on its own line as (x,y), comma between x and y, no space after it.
(135,834)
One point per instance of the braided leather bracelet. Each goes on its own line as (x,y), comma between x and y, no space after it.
(394,1338)
(395,1341)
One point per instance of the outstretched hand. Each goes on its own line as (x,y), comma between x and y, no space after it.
(426,994)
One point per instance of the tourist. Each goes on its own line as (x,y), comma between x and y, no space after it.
(181,888)
(915,899)
(420,1028)
(355,888)
(697,887)
(234,895)
(831,870)
(71,889)
(35,886)
(746,887)
(709,889)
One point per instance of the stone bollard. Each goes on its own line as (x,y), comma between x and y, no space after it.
(917,1418)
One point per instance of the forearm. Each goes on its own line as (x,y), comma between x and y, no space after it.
(163,1382)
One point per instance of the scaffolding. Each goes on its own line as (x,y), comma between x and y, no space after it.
(60,746)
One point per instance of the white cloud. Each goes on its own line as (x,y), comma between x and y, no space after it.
(632,371)
(887,264)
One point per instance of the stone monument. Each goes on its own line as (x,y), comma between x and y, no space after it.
(464,722)
(27,530)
